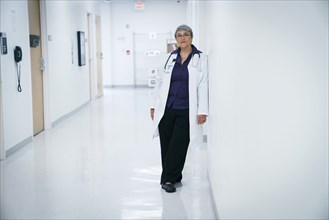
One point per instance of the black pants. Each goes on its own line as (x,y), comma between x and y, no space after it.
(174,130)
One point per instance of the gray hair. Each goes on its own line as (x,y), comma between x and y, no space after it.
(184,27)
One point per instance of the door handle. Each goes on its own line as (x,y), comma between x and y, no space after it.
(42,64)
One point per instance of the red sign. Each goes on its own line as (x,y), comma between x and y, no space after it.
(139,5)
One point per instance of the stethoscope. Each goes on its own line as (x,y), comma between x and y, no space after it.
(168,66)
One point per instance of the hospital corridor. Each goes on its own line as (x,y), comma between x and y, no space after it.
(102,164)
(238,91)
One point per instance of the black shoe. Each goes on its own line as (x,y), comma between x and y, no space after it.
(168,187)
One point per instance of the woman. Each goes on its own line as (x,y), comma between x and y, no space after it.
(180,105)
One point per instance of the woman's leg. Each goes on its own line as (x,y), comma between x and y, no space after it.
(174,149)
(165,132)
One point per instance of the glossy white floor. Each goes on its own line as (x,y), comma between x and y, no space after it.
(102,163)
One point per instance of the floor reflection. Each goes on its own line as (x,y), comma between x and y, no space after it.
(91,167)
(173,206)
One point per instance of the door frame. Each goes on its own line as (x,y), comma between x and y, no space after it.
(36,70)
(2,143)
(99,56)
(91,60)
(45,72)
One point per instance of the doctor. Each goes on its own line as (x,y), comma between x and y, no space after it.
(180,105)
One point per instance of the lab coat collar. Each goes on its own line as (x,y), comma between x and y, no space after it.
(194,50)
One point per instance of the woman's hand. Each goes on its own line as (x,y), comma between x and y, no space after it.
(152,113)
(202,119)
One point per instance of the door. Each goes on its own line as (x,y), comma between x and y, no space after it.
(99,57)
(36,63)
(91,56)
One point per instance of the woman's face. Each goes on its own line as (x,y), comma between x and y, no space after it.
(184,39)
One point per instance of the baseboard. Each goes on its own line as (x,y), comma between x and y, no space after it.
(64,117)
(18,146)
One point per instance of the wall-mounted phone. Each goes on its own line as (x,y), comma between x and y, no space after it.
(18,55)
(3,43)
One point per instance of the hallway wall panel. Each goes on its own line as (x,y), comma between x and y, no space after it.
(67,83)
(17,106)
(268,123)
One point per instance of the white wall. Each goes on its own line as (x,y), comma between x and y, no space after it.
(67,83)
(193,19)
(158,16)
(106,43)
(17,107)
(268,122)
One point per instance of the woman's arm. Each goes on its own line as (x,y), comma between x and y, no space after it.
(203,90)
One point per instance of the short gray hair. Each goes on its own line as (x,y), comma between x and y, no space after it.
(184,27)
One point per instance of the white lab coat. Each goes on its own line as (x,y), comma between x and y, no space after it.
(198,93)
